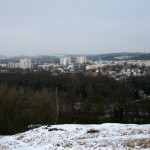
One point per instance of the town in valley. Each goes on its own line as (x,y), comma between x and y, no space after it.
(118,67)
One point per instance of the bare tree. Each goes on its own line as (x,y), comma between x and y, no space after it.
(56,106)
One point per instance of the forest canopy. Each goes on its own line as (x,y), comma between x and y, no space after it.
(40,98)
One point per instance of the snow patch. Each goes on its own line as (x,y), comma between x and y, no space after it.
(80,137)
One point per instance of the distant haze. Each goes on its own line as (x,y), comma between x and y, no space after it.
(29,27)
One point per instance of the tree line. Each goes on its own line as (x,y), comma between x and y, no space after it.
(40,98)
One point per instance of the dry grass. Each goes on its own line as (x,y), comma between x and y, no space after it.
(142,143)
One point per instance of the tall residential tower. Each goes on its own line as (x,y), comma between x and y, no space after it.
(65,61)
(25,63)
(81,60)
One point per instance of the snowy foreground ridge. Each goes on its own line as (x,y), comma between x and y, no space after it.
(80,137)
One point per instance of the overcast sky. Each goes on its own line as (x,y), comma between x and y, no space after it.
(29,27)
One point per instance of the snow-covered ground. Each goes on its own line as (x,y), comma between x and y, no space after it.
(80,137)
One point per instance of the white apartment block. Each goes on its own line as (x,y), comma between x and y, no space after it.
(81,60)
(65,61)
(25,63)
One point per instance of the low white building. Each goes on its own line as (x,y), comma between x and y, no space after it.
(90,67)
(3,65)
(139,62)
(13,65)
(47,66)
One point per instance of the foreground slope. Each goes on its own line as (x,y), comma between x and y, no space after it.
(80,137)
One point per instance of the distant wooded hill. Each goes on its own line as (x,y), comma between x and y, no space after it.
(95,57)
(120,56)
